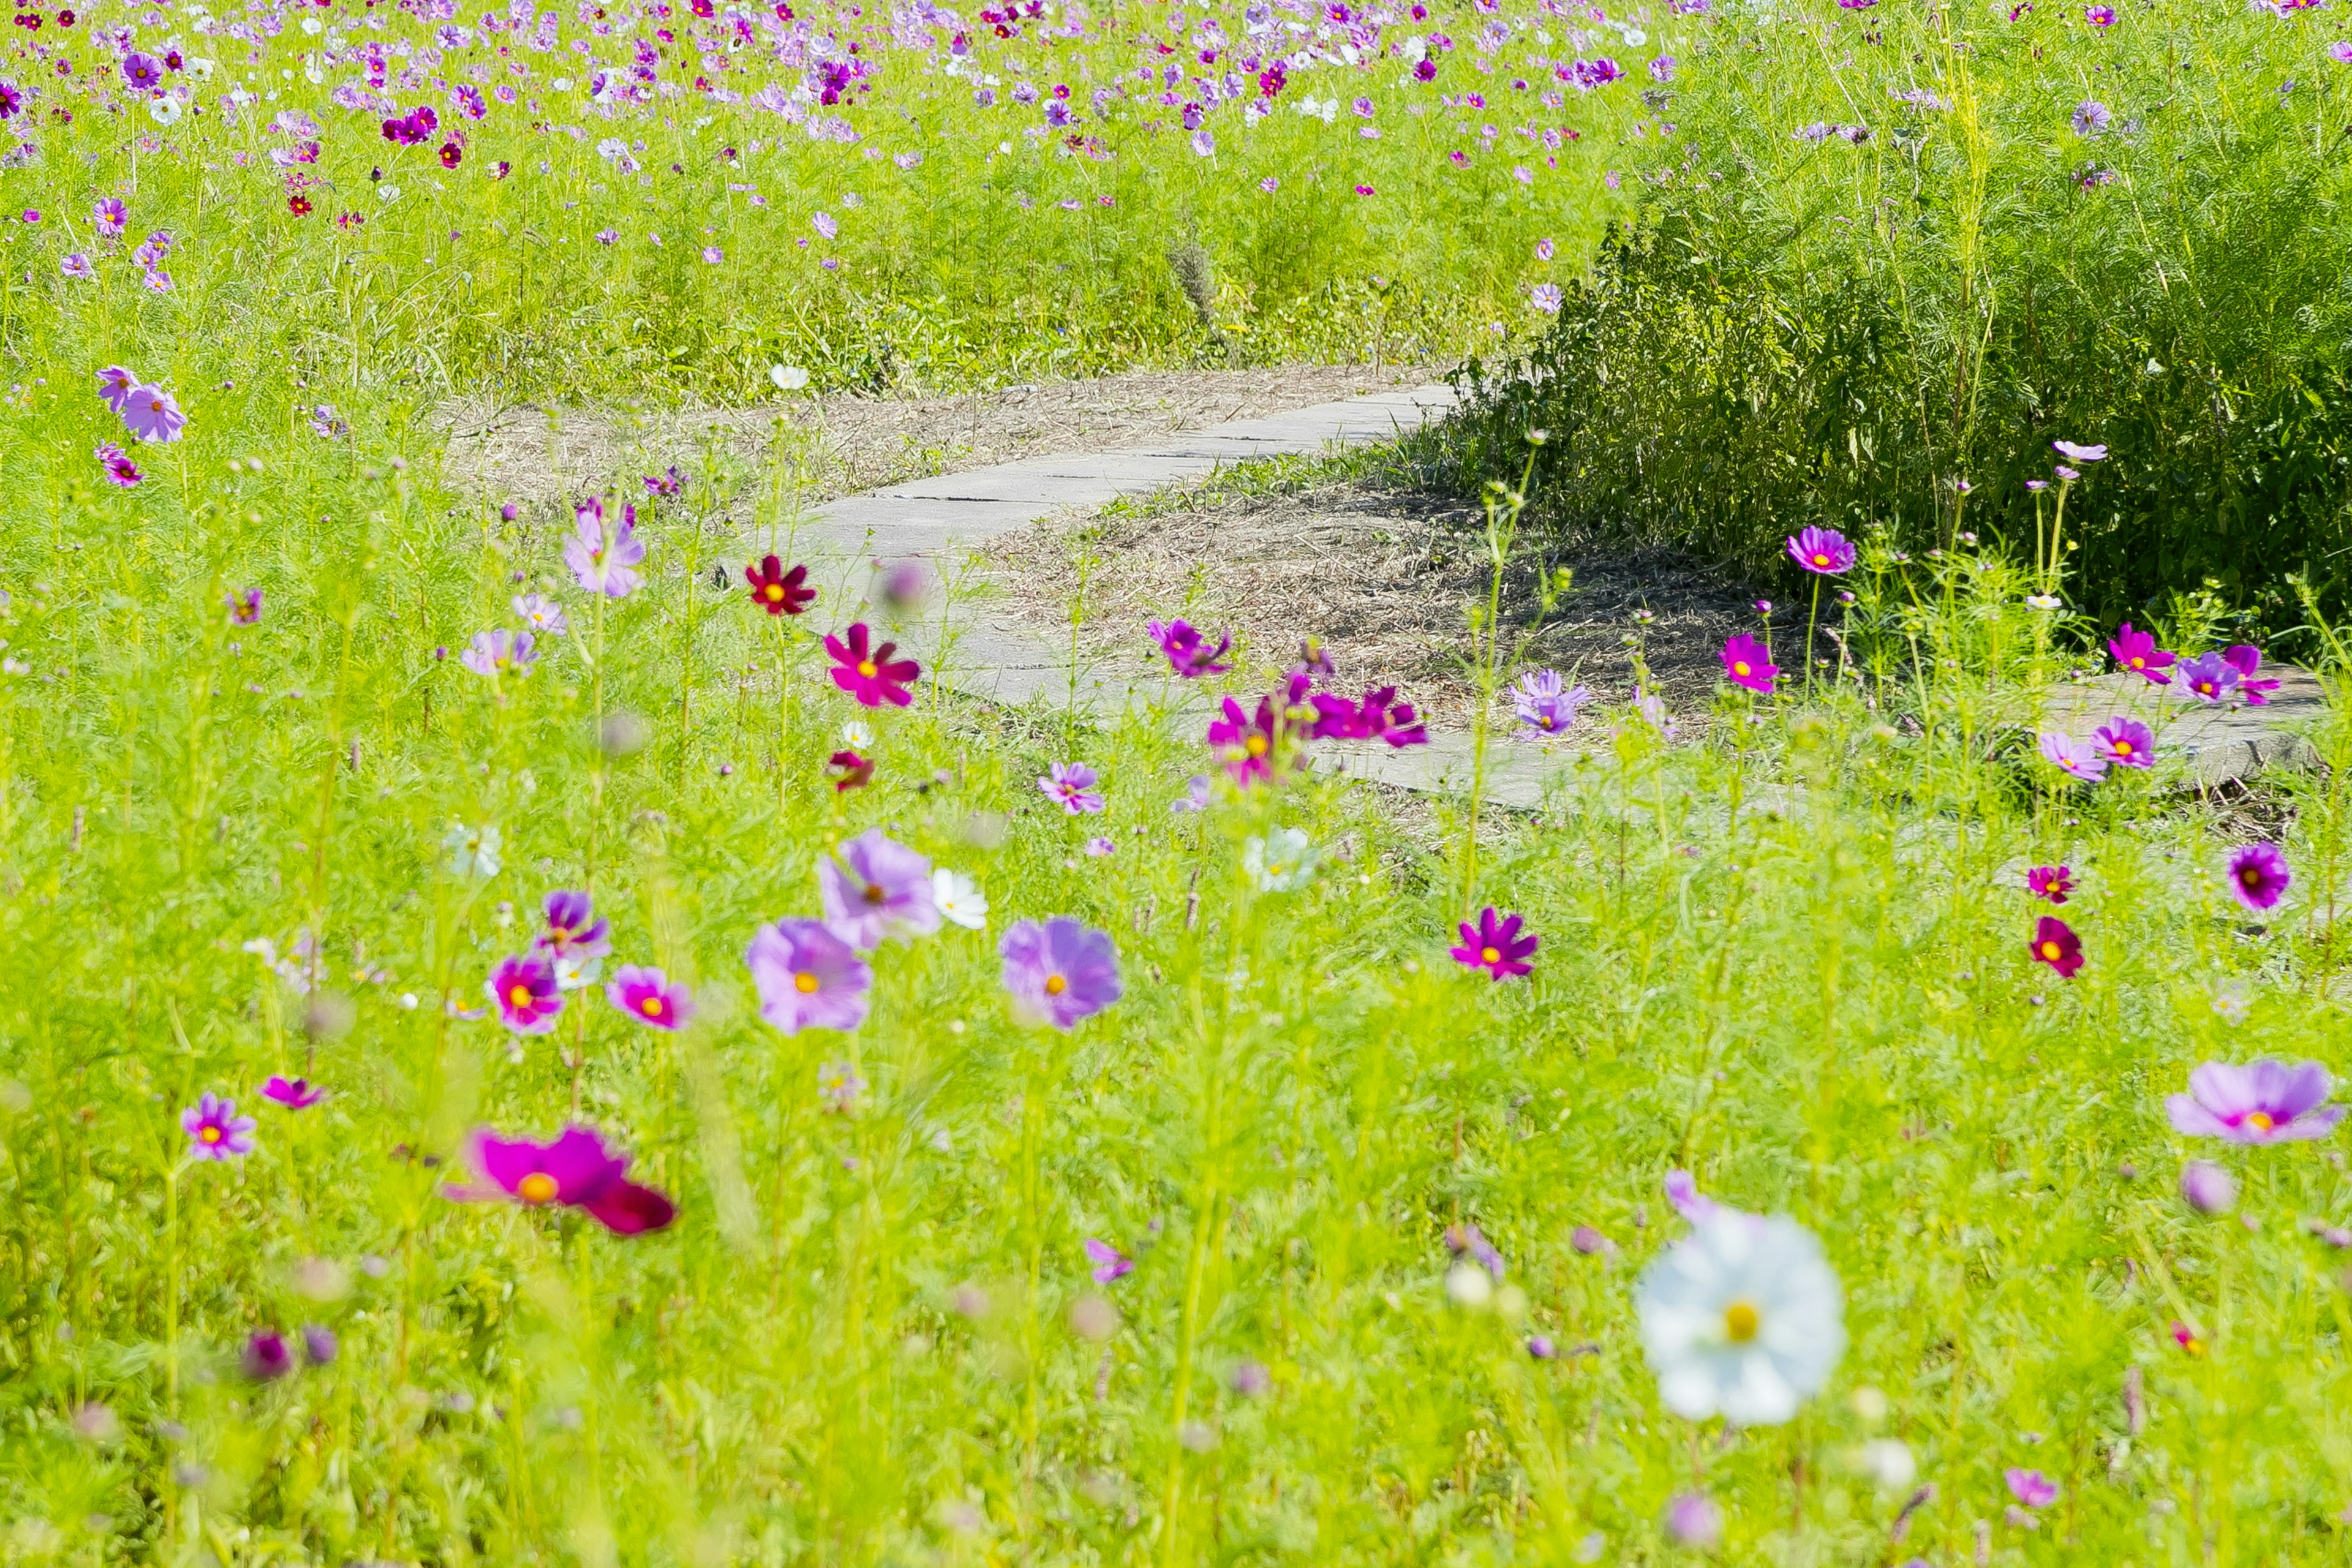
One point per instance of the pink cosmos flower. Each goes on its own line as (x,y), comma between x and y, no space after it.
(603,557)
(215,1129)
(2258,876)
(867,672)
(1109,1262)
(500,652)
(1058,972)
(808,978)
(1254,749)
(649,997)
(1188,652)
(1071,786)
(2031,1488)
(1823,552)
(121,470)
(293,1093)
(2055,944)
(1495,945)
(151,414)
(2209,1190)
(2051,882)
(2138,652)
(2076,759)
(2209,677)
(2125,742)
(2247,660)
(2262,1101)
(576,1170)
(525,990)
(877,887)
(1748,663)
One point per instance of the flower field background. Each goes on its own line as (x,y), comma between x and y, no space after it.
(528,1033)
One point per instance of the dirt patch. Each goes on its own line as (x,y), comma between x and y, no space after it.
(834,444)
(1385,575)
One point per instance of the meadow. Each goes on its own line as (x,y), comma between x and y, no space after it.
(526,1036)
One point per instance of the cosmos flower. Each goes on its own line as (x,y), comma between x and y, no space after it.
(150,415)
(1195,798)
(2208,677)
(649,997)
(2091,116)
(473,851)
(1743,1319)
(2031,1488)
(1542,705)
(876,888)
(2247,660)
(540,613)
(1107,1262)
(527,993)
(293,1093)
(121,470)
(2258,876)
(1058,972)
(2051,882)
(2262,1101)
(777,591)
(2125,742)
(1693,1519)
(1544,297)
(2209,1190)
(576,1171)
(2074,453)
(2076,759)
(1281,862)
(1494,944)
(602,556)
(1823,552)
(849,770)
(215,1129)
(2136,651)
(1254,749)
(868,673)
(2055,944)
(75,264)
(959,899)
(141,72)
(808,978)
(1378,717)
(267,1357)
(500,652)
(1188,652)
(1748,663)
(1071,786)
(109,216)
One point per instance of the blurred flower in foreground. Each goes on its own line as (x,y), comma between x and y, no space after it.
(874,888)
(576,1171)
(473,851)
(293,1093)
(1694,1520)
(2262,1101)
(808,978)
(1058,972)
(266,1356)
(1108,1263)
(2207,1188)
(649,997)
(1743,1319)
(1281,862)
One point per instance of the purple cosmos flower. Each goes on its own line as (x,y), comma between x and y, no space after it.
(544,614)
(1544,297)
(2264,1102)
(215,1129)
(867,672)
(1693,1520)
(2207,1189)
(2099,16)
(2031,1488)
(1495,945)
(572,929)
(293,1093)
(1825,552)
(74,264)
(1188,652)
(877,887)
(665,484)
(2065,473)
(2125,742)
(266,1356)
(1748,663)
(2341,53)
(1071,786)
(2076,759)
(808,978)
(1195,796)
(319,1346)
(2258,876)
(496,652)
(527,993)
(122,470)
(576,1170)
(2247,660)
(1099,847)
(244,607)
(2208,677)
(1542,705)
(151,414)
(2138,652)
(1109,1263)
(603,557)
(2055,944)
(2091,116)
(107,216)
(649,997)
(1469,1241)
(1058,972)
(2051,882)
(141,72)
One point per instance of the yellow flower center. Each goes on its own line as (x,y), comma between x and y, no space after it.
(865,668)
(804,984)
(1490,955)
(2123,748)
(774,590)
(1820,559)
(1055,985)
(1255,745)
(651,1006)
(2051,950)
(2250,876)
(1739,667)
(2261,1122)
(210,1134)
(518,997)
(536,1188)
(1740,1322)
(2139,664)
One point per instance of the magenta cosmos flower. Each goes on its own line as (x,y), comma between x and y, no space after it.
(2247,660)
(876,888)
(121,470)
(649,997)
(525,989)
(603,557)
(1107,1262)
(808,978)
(1188,652)
(244,607)
(2031,1488)
(150,415)
(576,1171)
(1071,786)
(293,1093)
(1495,944)
(2258,876)
(867,672)
(572,929)
(215,1129)
(2138,652)
(1252,747)
(2055,944)
(1058,972)
(2262,1102)
(2125,742)
(1823,552)
(2051,882)
(1379,717)
(2208,677)
(1748,663)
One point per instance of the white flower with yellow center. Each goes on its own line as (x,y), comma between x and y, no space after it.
(1745,1320)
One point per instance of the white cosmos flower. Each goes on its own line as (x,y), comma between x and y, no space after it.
(473,851)
(857,733)
(1281,862)
(165,110)
(573,971)
(1744,1320)
(959,897)
(788,377)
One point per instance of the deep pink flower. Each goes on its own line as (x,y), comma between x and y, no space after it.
(876,888)
(2051,882)
(2055,944)
(245,606)
(1495,945)
(1188,652)
(2031,1488)
(2125,742)
(775,590)
(2138,652)
(1109,1262)
(1254,749)
(808,978)
(848,770)
(1379,717)
(2262,1101)
(1825,552)
(121,470)
(215,1129)
(1748,663)
(293,1093)
(1058,972)
(576,1170)
(2247,660)
(867,672)
(649,997)
(572,929)
(2258,876)
(266,1356)
(526,992)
